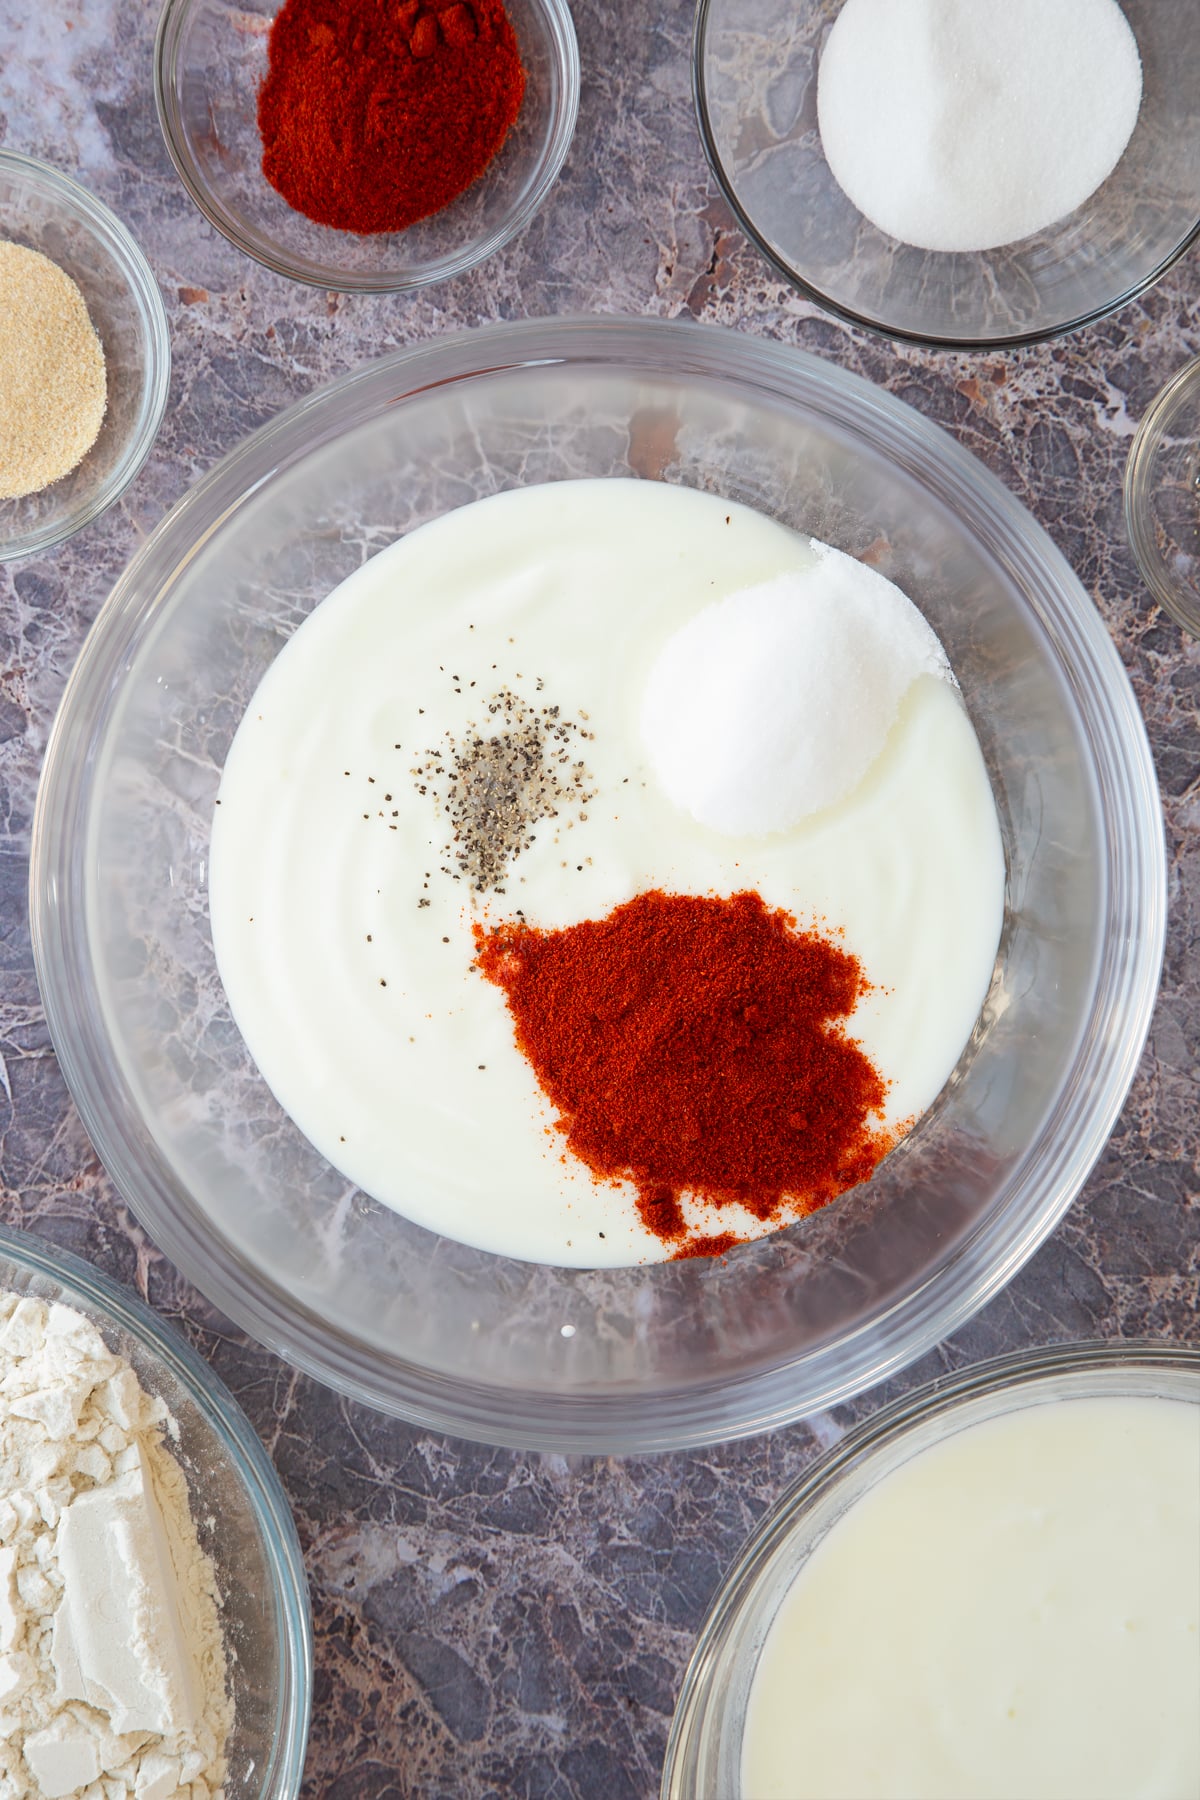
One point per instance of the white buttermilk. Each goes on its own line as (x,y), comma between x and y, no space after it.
(362,1007)
(1015,1611)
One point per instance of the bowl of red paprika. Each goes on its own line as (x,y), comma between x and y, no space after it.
(363,148)
(412,1320)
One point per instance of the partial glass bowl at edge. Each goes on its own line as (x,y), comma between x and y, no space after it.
(480,1346)
(238,1505)
(704,1752)
(755,66)
(210,58)
(46,211)
(1162,497)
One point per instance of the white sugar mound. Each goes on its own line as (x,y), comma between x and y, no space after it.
(773,703)
(965,124)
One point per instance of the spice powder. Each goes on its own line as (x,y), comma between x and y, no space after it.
(694,1045)
(53,387)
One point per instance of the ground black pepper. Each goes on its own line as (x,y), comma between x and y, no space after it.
(496,781)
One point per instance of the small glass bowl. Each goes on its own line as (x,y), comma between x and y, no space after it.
(240,1510)
(1162,497)
(755,80)
(704,1751)
(210,59)
(46,211)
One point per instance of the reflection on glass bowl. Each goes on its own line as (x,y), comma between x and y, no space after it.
(459,1339)
(238,1505)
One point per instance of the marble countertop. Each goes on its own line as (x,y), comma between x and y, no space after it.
(491,1623)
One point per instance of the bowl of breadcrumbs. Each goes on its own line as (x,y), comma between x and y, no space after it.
(84,357)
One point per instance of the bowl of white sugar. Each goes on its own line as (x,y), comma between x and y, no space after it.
(155,1636)
(599,884)
(85,357)
(962,175)
(992,1587)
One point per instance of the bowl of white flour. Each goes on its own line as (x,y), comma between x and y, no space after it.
(155,1637)
(956,173)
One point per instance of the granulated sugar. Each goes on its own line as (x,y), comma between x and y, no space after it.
(53,387)
(772,704)
(966,124)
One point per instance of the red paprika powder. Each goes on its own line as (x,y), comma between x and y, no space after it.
(375,113)
(694,1045)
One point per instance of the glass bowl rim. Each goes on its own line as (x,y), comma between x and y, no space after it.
(84,1285)
(104,224)
(1183,386)
(262,249)
(865,321)
(1012,1372)
(615,1421)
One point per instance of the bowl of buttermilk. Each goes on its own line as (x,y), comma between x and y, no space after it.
(598,884)
(961,175)
(1036,1633)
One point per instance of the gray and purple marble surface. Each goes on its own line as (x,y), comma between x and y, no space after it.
(489,1623)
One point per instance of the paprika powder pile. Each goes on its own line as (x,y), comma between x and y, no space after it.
(376,113)
(694,1045)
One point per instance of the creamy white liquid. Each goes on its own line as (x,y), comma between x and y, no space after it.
(1012,1615)
(576,585)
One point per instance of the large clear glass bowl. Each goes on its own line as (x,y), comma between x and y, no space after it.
(755,78)
(210,60)
(704,1751)
(451,1337)
(239,1507)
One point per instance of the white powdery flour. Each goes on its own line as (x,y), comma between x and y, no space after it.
(966,124)
(112,1660)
